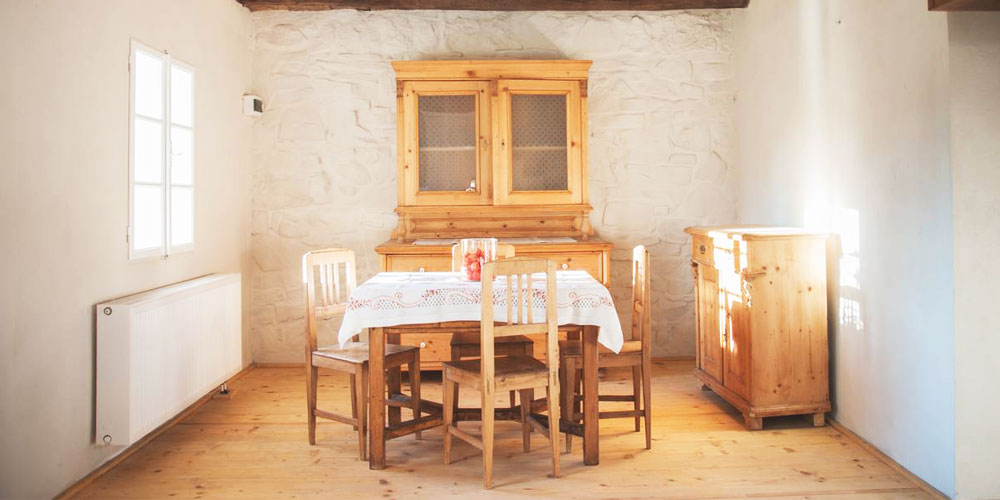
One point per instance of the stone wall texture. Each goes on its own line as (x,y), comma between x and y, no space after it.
(661,102)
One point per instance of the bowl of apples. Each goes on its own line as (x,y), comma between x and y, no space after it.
(476,252)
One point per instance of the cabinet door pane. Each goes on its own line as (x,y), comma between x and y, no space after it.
(447,142)
(538,142)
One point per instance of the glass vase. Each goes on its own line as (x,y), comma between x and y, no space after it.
(474,253)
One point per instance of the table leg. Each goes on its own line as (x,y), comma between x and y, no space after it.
(591,454)
(376,396)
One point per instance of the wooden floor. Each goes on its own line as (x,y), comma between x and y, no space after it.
(254,445)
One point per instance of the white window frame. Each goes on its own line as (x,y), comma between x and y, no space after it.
(166,247)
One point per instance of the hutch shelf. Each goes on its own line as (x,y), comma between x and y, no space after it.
(491,148)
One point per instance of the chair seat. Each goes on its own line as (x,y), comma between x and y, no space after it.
(471,339)
(573,348)
(510,366)
(357,352)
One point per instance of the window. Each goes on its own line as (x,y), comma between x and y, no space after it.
(161,154)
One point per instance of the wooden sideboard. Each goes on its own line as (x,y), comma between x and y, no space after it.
(593,256)
(761,319)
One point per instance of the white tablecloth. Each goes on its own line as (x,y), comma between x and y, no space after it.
(390,299)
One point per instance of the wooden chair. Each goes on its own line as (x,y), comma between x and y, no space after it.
(516,372)
(465,345)
(321,274)
(636,352)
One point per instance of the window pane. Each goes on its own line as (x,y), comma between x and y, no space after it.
(148,85)
(447,128)
(539,154)
(147,217)
(181,96)
(181,216)
(147,150)
(181,157)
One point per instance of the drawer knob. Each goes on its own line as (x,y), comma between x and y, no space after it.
(423,345)
(421,269)
(564,265)
(701,248)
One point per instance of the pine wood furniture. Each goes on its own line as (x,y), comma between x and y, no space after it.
(387,303)
(467,345)
(761,319)
(520,373)
(491,149)
(321,271)
(636,353)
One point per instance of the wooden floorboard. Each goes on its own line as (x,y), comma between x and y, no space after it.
(254,445)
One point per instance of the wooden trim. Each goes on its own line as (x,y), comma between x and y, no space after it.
(558,69)
(113,461)
(279,365)
(661,359)
(509,5)
(886,459)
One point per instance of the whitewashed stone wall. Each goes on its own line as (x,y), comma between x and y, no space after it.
(324,174)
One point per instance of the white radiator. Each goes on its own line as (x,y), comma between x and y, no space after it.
(160,351)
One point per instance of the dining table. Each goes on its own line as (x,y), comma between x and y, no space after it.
(394,303)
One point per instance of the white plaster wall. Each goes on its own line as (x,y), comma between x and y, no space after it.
(842,113)
(974,54)
(64,93)
(661,140)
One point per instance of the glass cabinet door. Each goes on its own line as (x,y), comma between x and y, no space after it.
(446,143)
(540,151)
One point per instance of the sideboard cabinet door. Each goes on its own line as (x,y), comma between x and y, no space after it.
(445,143)
(540,147)
(711,328)
(736,356)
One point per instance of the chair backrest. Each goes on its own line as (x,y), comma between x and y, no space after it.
(515,276)
(641,296)
(504,251)
(326,292)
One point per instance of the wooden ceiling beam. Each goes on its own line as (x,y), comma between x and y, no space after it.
(963,5)
(495,5)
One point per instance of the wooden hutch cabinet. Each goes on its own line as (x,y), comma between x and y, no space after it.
(493,149)
(761,319)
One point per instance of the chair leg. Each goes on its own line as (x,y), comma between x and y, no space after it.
(568,395)
(488,396)
(358,395)
(647,407)
(552,391)
(415,386)
(395,386)
(312,376)
(577,387)
(526,396)
(636,387)
(456,355)
(354,400)
(513,399)
(527,350)
(448,391)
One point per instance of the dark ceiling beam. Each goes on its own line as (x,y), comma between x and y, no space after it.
(960,5)
(497,5)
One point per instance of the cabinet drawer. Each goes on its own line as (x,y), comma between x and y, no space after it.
(412,263)
(434,347)
(592,262)
(702,250)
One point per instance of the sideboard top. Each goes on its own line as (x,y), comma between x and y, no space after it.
(754,232)
(555,69)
